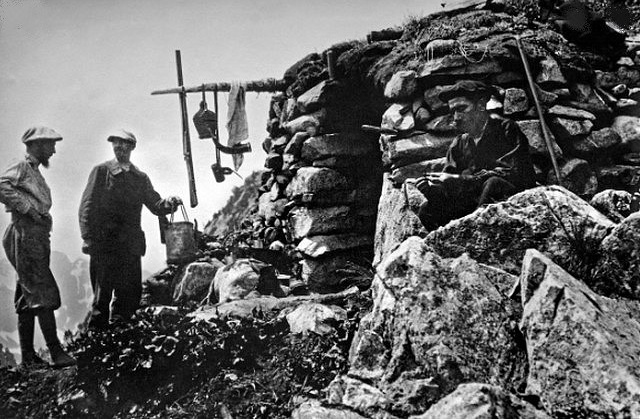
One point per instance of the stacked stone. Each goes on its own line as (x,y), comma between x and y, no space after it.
(323,179)
(592,114)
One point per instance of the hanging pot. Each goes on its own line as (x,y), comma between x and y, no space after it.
(180,240)
(206,121)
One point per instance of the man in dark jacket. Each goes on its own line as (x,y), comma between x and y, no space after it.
(487,162)
(27,244)
(110,226)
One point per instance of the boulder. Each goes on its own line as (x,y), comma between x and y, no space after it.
(332,272)
(240,278)
(567,129)
(317,246)
(311,123)
(532,129)
(515,101)
(434,324)
(268,207)
(278,145)
(314,410)
(628,127)
(570,113)
(621,177)
(317,97)
(405,151)
(434,103)
(450,68)
(550,76)
(332,145)
(195,282)
(320,319)
(415,170)
(321,185)
(615,204)
(582,348)
(482,401)
(403,85)
(550,219)
(577,176)
(597,144)
(617,273)
(398,117)
(314,221)
(396,220)
(294,146)
(442,125)
(273,162)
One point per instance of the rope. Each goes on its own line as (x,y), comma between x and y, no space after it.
(467,55)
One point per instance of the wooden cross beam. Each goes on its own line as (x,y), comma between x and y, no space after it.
(265,85)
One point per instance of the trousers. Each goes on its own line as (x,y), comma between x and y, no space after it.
(116,279)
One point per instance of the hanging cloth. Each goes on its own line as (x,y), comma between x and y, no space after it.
(237,120)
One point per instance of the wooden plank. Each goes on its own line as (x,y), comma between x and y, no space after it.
(265,85)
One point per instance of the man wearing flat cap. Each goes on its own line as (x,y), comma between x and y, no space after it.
(109,214)
(26,242)
(487,162)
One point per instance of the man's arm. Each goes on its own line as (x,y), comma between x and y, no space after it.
(156,204)
(10,195)
(89,204)
(514,166)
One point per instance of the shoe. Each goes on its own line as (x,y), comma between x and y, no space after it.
(61,359)
(30,360)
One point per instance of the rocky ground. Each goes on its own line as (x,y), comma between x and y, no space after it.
(329,299)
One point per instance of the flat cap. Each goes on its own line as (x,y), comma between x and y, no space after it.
(466,88)
(123,135)
(40,133)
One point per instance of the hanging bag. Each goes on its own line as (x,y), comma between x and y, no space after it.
(180,240)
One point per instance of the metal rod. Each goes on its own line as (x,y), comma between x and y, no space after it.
(216,133)
(534,95)
(186,141)
(265,85)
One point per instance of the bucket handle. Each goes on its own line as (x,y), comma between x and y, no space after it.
(184,214)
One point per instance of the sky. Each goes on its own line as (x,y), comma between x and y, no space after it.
(87,67)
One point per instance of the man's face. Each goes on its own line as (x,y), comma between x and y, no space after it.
(43,150)
(122,149)
(467,113)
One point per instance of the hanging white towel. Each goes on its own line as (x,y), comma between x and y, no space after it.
(237,125)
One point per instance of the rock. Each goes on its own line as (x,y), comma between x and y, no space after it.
(621,177)
(415,170)
(625,61)
(357,395)
(306,222)
(311,123)
(568,129)
(278,145)
(268,207)
(314,410)
(405,151)
(577,176)
(450,68)
(321,184)
(616,205)
(403,85)
(500,233)
(570,113)
(479,401)
(196,281)
(628,127)
(294,146)
(550,76)
(396,221)
(317,246)
(398,117)
(273,162)
(434,103)
(627,106)
(289,111)
(330,273)
(617,272)
(620,90)
(440,47)
(583,348)
(317,318)
(434,324)
(628,76)
(422,116)
(240,278)
(632,159)
(537,144)
(317,97)
(546,98)
(597,144)
(515,101)
(332,145)
(606,79)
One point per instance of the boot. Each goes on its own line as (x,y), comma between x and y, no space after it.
(26,322)
(59,358)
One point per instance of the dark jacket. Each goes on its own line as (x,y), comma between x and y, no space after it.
(502,149)
(111,207)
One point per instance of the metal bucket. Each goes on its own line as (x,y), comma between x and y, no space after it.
(180,240)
